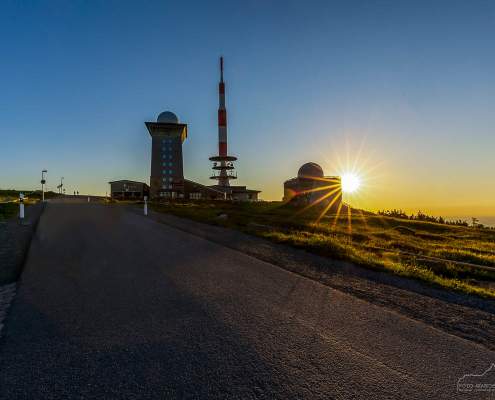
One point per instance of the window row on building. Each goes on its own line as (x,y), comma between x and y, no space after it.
(171,195)
(195,196)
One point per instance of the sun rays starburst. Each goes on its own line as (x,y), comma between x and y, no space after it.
(335,195)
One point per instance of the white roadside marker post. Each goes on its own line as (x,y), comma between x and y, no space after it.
(43,181)
(21,207)
(88,199)
(145,205)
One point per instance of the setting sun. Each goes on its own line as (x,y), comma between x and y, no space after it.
(350,182)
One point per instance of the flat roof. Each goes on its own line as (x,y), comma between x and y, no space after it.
(203,186)
(236,189)
(127,180)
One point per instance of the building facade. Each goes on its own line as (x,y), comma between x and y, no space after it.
(312,187)
(242,193)
(128,190)
(197,191)
(167,172)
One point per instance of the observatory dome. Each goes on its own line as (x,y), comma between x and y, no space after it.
(310,169)
(168,117)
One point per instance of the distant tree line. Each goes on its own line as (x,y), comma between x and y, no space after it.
(421,216)
(14,194)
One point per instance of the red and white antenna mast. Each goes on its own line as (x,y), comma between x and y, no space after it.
(223,162)
(222,115)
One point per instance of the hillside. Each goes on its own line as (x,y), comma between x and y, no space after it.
(456,257)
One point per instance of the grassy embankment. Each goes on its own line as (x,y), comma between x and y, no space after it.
(9,201)
(8,210)
(426,251)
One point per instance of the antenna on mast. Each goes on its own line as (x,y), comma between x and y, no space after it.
(221,69)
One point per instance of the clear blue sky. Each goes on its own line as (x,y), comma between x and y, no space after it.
(306,81)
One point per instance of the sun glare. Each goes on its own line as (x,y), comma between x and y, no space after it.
(350,182)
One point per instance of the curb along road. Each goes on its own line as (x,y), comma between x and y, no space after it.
(14,245)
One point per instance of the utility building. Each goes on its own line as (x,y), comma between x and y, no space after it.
(197,191)
(128,190)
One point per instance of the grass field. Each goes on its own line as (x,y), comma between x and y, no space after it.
(9,201)
(435,253)
(13,195)
(8,210)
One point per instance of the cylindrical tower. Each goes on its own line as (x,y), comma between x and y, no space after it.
(223,162)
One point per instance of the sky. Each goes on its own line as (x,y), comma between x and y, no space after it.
(401,92)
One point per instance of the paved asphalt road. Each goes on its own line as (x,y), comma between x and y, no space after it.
(114,305)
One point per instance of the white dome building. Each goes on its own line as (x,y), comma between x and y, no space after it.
(310,186)
(168,117)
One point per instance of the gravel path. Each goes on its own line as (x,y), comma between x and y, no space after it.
(14,243)
(7,293)
(464,316)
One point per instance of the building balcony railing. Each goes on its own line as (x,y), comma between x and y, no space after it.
(228,176)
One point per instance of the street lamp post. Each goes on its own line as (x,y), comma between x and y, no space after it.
(43,181)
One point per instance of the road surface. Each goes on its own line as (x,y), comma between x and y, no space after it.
(114,305)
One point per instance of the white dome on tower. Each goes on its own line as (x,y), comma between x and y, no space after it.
(168,117)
